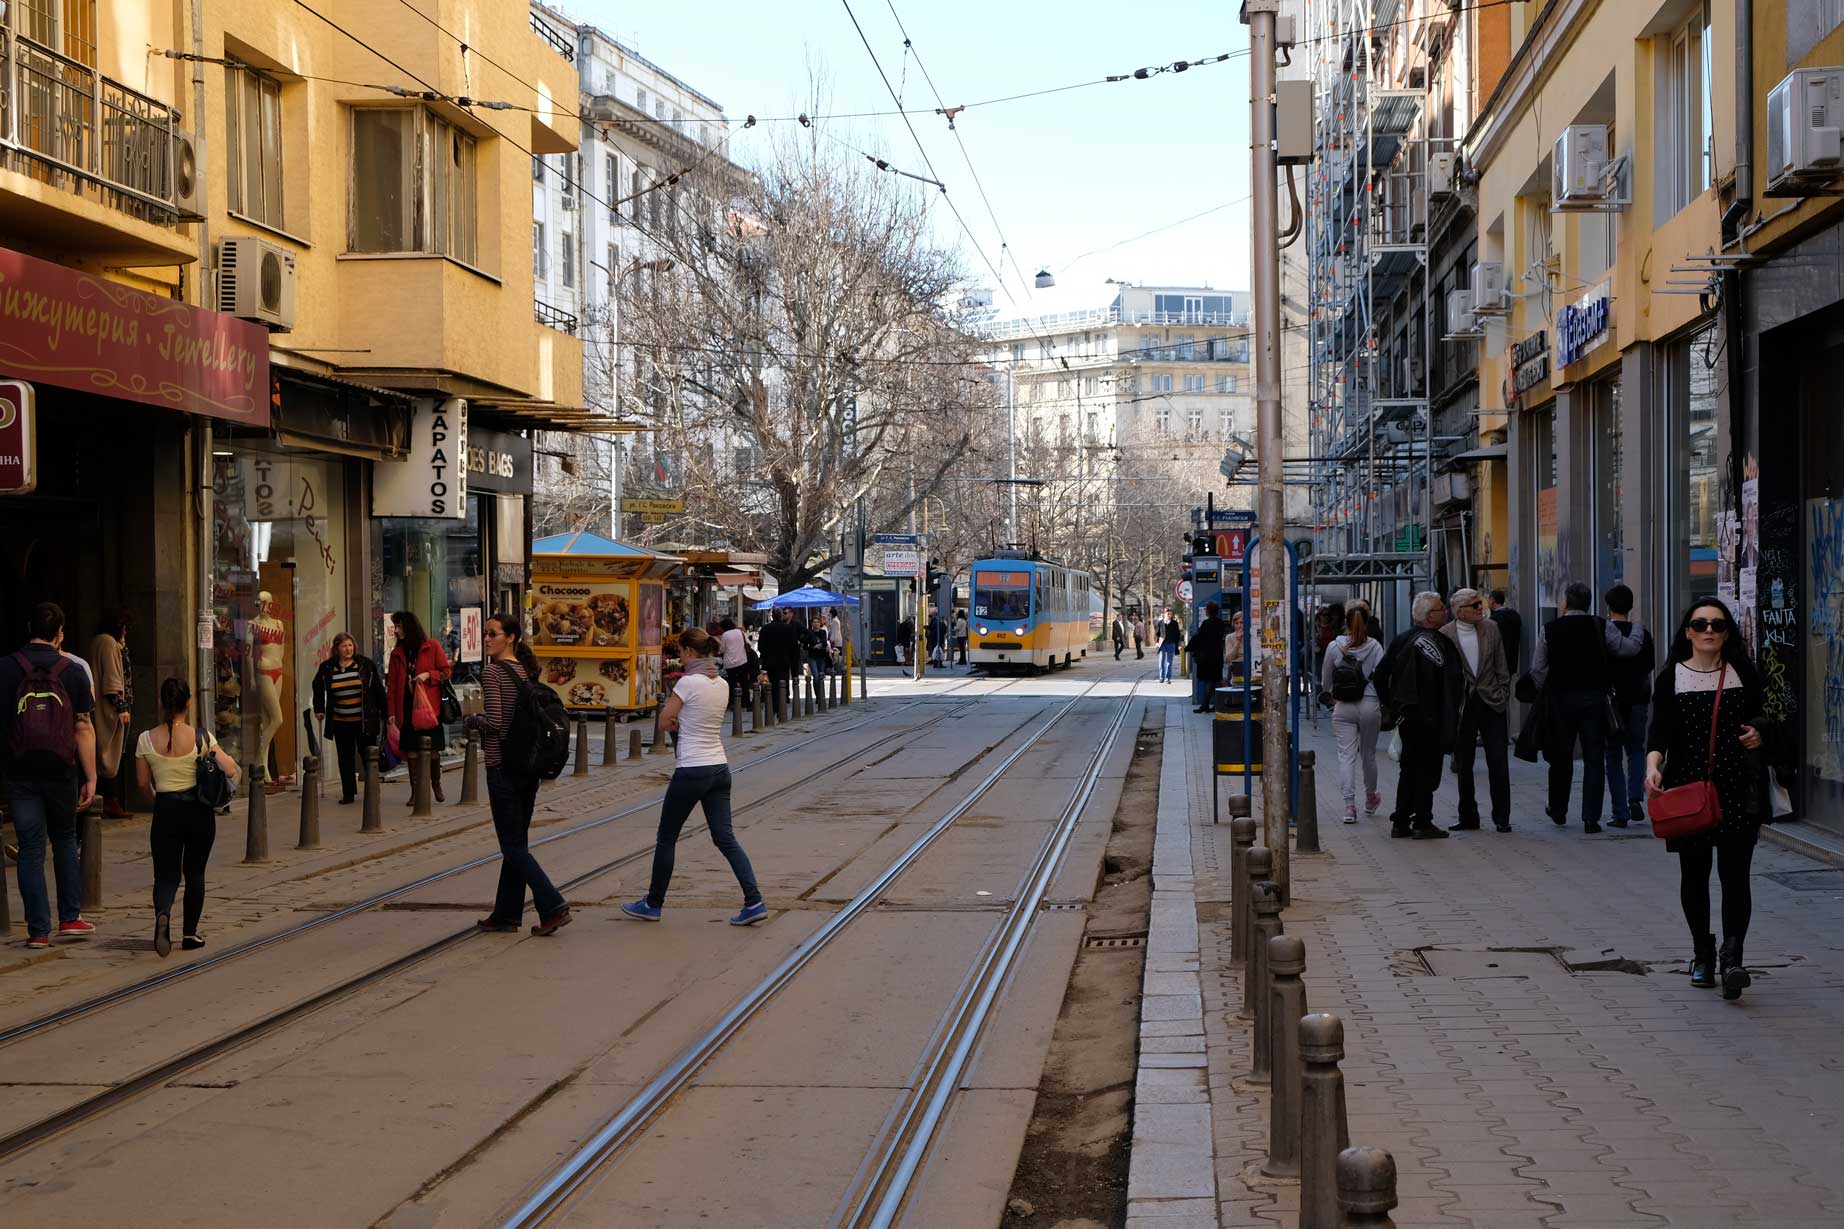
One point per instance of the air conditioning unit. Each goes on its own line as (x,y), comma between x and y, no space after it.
(1488,283)
(1440,175)
(188,185)
(256,281)
(1451,489)
(1460,319)
(1580,163)
(1804,115)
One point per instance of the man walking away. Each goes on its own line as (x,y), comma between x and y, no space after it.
(1574,660)
(48,759)
(1633,655)
(1482,712)
(1420,677)
(1139,637)
(960,636)
(1120,636)
(779,647)
(1171,639)
(1510,630)
(1206,650)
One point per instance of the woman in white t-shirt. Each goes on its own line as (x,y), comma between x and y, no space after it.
(166,765)
(696,712)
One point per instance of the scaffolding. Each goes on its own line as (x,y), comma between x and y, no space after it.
(1371,319)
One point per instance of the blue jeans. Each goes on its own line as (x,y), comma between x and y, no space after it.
(1167,654)
(44,809)
(1204,688)
(1626,765)
(512,799)
(709,784)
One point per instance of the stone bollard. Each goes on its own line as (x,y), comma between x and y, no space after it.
(770,700)
(633,743)
(89,854)
(470,768)
(256,839)
(736,712)
(821,686)
(309,835)
(421,798)
(1323,1125)
(1286,1004)
(811,700)
(1242,838)
(1306,832)
(760,700)
(371,818)
(609,750)
(582,748)
(1267,903)
(1257,861)
(1366,1188)
(661,744)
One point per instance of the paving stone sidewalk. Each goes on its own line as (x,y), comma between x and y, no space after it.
(1520,1030)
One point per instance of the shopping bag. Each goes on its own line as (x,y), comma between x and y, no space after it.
(423,715)
(1395,746)
(390,749)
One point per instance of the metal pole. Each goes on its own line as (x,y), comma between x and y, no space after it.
(1286,1004)
(256,839)
(1323,1130)
(89,854)
(1242,839)
(1257,862)
(309,834)
(582,747)
(470,768)
(1011,447)
(609,750)
(633,742)
(1266,901)
(1309,802)
(1271,514)
(372,816)
(1366,1188)
(420,790)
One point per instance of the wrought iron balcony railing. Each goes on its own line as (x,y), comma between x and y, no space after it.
(556,317)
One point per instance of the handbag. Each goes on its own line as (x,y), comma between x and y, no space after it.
(450,710)
(211,785)
(1613,714)
(423,715)
(390,749)
(1694,807)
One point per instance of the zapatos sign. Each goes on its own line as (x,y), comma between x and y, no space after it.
(432,481)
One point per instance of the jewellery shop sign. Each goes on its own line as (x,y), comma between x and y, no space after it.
(1529,366)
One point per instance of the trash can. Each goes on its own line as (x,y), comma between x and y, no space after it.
(1235,741)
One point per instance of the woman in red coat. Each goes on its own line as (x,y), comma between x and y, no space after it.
(418,661)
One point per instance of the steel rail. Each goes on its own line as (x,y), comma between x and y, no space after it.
(893,1167)
(619,1130)
(167,1069)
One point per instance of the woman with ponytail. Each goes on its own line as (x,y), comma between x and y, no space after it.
(512,795)
(166,765)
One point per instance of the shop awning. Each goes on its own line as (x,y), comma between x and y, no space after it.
(582,542)
(1489,452)
(546,416)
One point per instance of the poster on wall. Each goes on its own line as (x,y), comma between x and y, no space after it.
(471,642)
(652,615)
(432,480)
(582,613)
(591,682)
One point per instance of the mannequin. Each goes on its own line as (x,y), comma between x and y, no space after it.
(271,637)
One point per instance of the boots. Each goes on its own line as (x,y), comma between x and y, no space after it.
(1703,963)
(1735,977)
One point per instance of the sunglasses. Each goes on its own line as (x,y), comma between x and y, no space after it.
(1709,625)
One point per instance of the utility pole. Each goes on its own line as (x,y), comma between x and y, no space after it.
(1011,445)
(1259,15)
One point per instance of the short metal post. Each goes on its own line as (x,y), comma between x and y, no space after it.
(256,839)
(1267,926)
(812,705)
(309,835)
(660,745)
(633,743)
(470,768)
(582,748)
(1286,1004)
(609,750)
(1324,1130)
(1242,838)
(821,686)
(845,682)
(421,797)
(736,712)
(760,702)
(1366,1188)
(89,854)
(1306,833)
(371,817)
(772,702)
(1256,862)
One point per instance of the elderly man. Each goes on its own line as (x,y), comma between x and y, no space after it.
(1420,679)
(1482,713)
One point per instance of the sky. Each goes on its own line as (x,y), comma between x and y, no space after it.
(1068,174)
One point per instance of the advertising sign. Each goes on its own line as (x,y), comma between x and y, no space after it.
(1529,366)
(18,449)
(62,327)
(472,645)
(432,481)
(1582,325)
(899,561)
(656,507)
(497,461)
(580,613)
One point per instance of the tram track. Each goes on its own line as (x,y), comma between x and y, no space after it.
(948,1056)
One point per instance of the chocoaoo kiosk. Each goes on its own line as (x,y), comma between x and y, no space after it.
(596,610)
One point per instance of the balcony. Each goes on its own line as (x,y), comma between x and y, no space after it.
(555,317)
(84,160)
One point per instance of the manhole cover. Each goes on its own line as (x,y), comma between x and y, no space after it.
(1830,879)
(1464,964)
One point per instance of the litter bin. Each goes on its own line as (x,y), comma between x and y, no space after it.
(1236,741)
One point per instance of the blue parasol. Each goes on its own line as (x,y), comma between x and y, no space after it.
(806,597)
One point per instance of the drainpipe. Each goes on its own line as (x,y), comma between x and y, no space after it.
(1744,118)
(202,434)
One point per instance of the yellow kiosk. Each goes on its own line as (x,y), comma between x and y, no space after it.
(597,610)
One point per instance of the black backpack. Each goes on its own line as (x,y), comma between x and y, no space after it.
(537,742)
(1349,680)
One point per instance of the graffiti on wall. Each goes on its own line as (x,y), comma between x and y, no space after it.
(1825,630)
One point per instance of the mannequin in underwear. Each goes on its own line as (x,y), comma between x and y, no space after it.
(271,637)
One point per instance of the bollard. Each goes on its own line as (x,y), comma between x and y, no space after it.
(608,737)
(89,854)
(371,818)
(1306,832)
(633,743)
(770,701)
(1242,838)
(821,686)
(256,839)
(421,806)
(1366,1188)
(470,768)
(309,835)
(845,682)
(759,700)
(736,712)
(660,744)
(1256,861)
(1323,1126)
(1286,1004)
(1267,926)
(582,748)
(812,704)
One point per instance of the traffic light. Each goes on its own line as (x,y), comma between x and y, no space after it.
(935,575)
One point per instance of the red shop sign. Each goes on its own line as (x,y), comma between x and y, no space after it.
(18,473)
(59,326)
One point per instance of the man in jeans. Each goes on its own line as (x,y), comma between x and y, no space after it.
(45,792)
(1632,658)
(1574,659)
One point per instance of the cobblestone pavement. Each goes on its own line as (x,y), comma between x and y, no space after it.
(1520,1029)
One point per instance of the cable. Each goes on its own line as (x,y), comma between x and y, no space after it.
(398,90)
(302,4)
(1202,213)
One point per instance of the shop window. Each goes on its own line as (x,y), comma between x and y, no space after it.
(253,129)
(1691,377)
(1609,484)
(539,257)
(1683,114)
(566,259)
(415,185)
(1552,573)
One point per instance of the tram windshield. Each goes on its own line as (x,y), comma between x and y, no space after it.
(1001,595)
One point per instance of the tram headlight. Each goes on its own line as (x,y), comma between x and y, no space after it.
(985,632)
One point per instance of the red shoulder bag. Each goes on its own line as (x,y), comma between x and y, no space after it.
(1694,807)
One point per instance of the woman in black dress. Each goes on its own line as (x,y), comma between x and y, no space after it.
(1707,653)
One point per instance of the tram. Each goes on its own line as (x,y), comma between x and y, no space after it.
(1027,612)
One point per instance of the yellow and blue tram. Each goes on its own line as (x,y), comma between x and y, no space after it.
(1027,612)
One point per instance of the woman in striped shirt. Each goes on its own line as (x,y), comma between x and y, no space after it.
(349,702)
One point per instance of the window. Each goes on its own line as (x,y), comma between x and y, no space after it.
(538,252)
(1194,384)
(63,25)
(612,172)
(1090,386)
(566,259)
(1094,425)
(1684,121)
(537,169)
(1226,384)
(653,200)
(659,108)
(613,268)
(414,184)
(1195,421)
(638,183)
(1162,384)
(640,100)
(253,130)
(1018,352)
(1692,464)
(1186,345)
(1163,415)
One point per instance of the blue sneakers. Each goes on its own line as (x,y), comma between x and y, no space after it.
(641,911)
(750,915)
